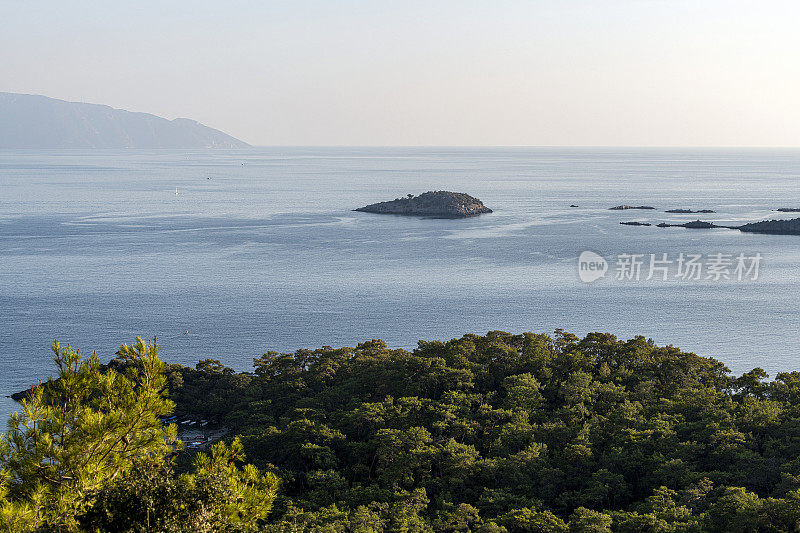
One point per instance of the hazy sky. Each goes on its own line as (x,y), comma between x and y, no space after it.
(560,72)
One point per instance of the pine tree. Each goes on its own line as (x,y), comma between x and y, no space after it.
(79,432)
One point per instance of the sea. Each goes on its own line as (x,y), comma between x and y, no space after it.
(230,254)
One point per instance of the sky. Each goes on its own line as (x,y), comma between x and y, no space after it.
(421,73)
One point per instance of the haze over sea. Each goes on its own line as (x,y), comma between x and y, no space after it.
(260,250)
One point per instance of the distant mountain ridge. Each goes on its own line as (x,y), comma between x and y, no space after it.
(33,121)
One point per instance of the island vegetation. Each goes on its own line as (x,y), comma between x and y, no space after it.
(492,433)
(434,204)
(777,227)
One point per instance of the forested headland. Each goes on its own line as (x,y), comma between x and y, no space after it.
(493,433)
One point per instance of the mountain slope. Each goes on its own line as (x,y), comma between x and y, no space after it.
(32,121)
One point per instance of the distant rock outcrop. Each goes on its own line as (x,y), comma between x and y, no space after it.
(32,121)
(635,223)
(777,227)
(437,204)
(626,207)
(696,224)
(699,224)
(789,209)
(688,211)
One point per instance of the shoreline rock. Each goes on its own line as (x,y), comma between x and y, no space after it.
(433,204)
(624,207)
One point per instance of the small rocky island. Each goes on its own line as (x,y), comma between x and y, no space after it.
(789,209)
(626,207)
(635,223)
(696,224)
(435,204)
(689,211)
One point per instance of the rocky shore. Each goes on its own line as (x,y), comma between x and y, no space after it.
(435,204)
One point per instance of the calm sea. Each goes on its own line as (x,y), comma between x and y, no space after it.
(259,250)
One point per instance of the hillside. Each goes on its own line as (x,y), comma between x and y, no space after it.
(511,433)
(32,121)
(498,433)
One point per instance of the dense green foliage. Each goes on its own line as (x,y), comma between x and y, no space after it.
(80,432)
(215,496)
(486,433)
(88,450)
(517,432)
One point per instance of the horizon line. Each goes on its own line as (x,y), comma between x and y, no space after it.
(450,146)
(517,146)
